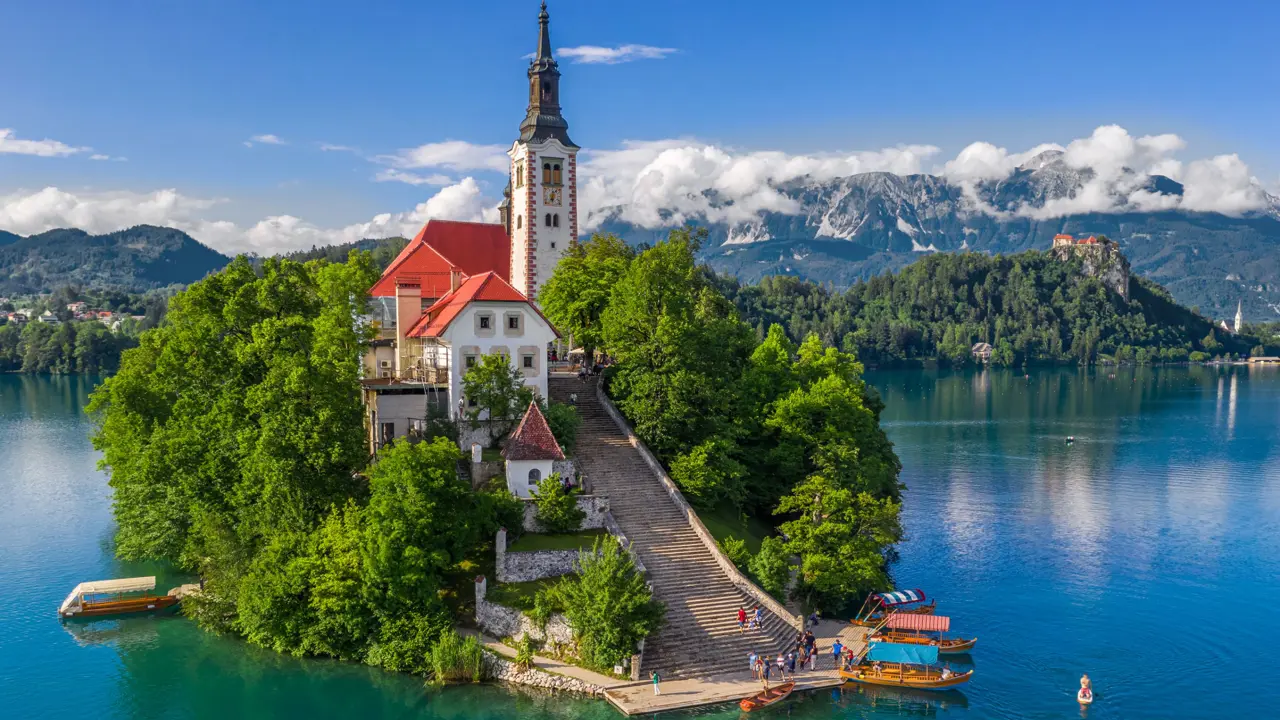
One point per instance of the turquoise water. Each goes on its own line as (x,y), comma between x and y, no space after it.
(1147,550)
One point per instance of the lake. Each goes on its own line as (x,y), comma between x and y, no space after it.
(1146,553)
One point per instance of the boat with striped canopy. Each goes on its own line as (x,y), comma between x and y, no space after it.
(903,665)
(922,630)
(880,605)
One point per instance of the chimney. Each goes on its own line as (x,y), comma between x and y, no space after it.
(408,310)
(455,279)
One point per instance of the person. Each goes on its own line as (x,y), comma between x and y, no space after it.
(758,621)
(946,673)
(835,652)
(810,641)
(764,674)
(813,659)
(751,662)
(791,664)
(782,667)
(815,618)
(876,668)
(742,619)
(656,691)
(582,374)
(573,398)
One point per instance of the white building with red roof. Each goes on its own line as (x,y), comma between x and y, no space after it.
(530,453)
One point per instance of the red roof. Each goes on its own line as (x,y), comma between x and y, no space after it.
(443,246)
(532,439)
(1061,236)
(486,287)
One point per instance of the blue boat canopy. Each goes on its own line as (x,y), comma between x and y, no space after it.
(901,597)
(903,653)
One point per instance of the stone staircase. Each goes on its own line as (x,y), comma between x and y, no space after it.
(701,634)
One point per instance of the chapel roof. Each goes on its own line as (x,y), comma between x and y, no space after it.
(532,439)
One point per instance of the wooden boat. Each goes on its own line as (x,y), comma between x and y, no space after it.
(125,596)
(945,645)
(875,618)
(918,677)
(767,697)
(879,606)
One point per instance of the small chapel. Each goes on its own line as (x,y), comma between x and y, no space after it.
(462,290)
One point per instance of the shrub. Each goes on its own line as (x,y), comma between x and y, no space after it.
(524,653)
(709,474)
(736,550)
(608,605)
(456,659)
(543,606)
(772,567)
(564,423)
(558,510)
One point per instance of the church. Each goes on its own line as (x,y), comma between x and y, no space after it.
(462,290)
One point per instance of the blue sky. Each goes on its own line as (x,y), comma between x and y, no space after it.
(170,93)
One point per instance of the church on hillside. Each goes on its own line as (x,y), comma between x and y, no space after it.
(462,290)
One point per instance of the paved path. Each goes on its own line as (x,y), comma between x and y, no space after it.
(551,665)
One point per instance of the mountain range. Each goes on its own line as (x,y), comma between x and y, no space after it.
(859,226)
(839,231)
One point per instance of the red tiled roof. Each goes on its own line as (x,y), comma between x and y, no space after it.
(532,439)
(1061,236)
(486,287)
(441,247)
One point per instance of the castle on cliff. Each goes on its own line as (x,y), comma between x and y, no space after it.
(1101,258)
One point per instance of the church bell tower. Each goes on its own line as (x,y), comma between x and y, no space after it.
(542,213)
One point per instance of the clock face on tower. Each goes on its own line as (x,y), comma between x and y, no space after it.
(551,196)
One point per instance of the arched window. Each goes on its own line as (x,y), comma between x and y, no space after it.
(555,173)
(548,220)
(518,221)
(534,476)
(546,173)
(555,220)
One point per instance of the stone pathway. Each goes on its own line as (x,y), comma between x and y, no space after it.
(551,665)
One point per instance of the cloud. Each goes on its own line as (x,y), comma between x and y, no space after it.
(35,212)
(330,147)
(10,143)
(451,154)
(393,175)
(99,157)
(597,55)
(264,140)
(666,182)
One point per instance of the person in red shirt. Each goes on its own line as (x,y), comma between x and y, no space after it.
(742,619)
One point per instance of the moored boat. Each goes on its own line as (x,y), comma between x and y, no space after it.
(766,698)
(923,630)
(903,665)
(879,606)
(124,596)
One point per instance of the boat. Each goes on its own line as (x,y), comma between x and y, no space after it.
(1084,696)
(922,630)
(767,697)
(903,665)
(879,606)
(125,596)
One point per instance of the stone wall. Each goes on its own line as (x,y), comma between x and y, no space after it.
(596,508)
(565,467)
(527,566)
(482,472)
(501,621)
(503,670)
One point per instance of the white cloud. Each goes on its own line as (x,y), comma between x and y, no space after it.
(597,55)
(36,212)
(99,157)
(393,175)
(667,182)
(330,147)
(264,140)
(10,143)
(1221,184)
(452,155)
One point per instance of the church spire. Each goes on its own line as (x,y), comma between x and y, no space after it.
(543,120)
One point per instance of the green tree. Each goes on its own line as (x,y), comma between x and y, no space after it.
(564,422)
(496,392)
(771,567)
(709,474)
(736,550)
(608,604)
(557,508)
(575,296)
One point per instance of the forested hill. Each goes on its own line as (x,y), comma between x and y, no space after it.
(139,258)
(1030,306)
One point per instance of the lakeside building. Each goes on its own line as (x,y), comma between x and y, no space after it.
(460,290)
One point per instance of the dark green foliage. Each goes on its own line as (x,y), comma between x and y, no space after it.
(575,297)
(608,605)
(381,251)
(736,550)
(139,258)
(524,652)
(558,510)
(496,392)
(564,423)
(1031,307)
(73,347)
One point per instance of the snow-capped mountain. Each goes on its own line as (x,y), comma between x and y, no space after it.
(857,226)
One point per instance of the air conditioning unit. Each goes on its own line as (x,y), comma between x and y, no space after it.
(386,373)
(384,364)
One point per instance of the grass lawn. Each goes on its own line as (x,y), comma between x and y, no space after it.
(573,541)
(490,454)
(518,595)
(724,521)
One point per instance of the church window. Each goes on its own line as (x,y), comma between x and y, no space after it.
(555,174)
(534,476)
(520,174)
(518,221)
(546,173)
(555,220)
(551,174)
(548,220)
(553,244)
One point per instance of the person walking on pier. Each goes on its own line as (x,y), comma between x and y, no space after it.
(752,662)
(835,653)
(764,674)
(791,664)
